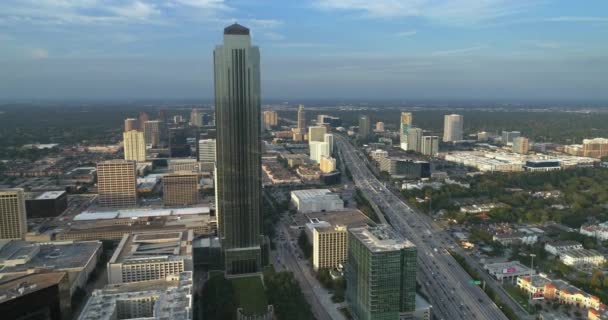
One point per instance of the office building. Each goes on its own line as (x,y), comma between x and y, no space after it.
(318,150)
(46,204)
(270,119)
(327,164)
(595,148)
(509,136)
(332,121)
(452,127)
(542,165)
(301,117)
(13,219)
(36,296)
(197,117)
(379,126)
(316,133)
(414,139)
(405,168)
(521,145)
(315,200)
(152,132)
(117,183)
(142,118)
(509,270)
(151,256)
(430,145)
(364,126)
(206,150)
(238,172)
(180,189)
(404,125)
(131,124)
(381,274)
(166,298)
(329,247)
(188,164)
(77,259)
(134,145)
(329,139)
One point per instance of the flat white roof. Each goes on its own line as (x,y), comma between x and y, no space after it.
(311,193)
(50,195)
(137,213)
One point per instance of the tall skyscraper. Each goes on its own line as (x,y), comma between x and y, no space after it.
(364,126)
(509,136)
(238,171)
(318,149)
(316,133)
(430,145)
(414,139)
(452,127)
(131,124)
(301,117)
(152,130)
(404,126)
(196,117)
(141,120)
(270,119)
(13,220)
(521,145)
(381,274)
(206,150)
(134,145)
(117,183)
(595,148)
(180,188)
(329,138)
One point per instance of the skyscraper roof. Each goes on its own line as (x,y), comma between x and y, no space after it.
(236,29)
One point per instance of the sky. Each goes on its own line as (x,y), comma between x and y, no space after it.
(311,49)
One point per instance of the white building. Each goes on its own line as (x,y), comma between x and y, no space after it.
(318,150)
(452,127)
(430,145)
(316,200)
(134,145)
(508,270)
(599,231)
(316,133)
(556,248)
(206,150)
(582,258)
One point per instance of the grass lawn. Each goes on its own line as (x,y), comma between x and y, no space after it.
(520,296)
(250,294)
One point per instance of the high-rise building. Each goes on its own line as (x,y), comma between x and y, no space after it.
(152,130)
(452,127)
(327,164)
(142,118)
(364,126)
(329,138)
(380,273)
(238,172)
(379,126)
(270,119)
(197,117)
(483,136)
(595,148)
(180,188)
(329,247)
(430,145)
(318,150)
(316,133)
(301,117)
(117,183)
(414,139)
(130,124)
(13,220)
(404,127)
(521,145)
(134,145)
(206,150)
(509,136)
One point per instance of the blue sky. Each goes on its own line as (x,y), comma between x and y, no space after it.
(349,49)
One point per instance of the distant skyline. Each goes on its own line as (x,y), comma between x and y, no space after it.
(317,49)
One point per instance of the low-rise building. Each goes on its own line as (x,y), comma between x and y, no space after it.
(151,256)
(599,231)
(315,200)
(508,270)
(46,204)
(582,258)
(542,165)
(556,248)
(405,167)
(507,239)
(541,287)
(165,298)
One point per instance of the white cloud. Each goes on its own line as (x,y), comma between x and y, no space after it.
(460,51)
(37,53)
(135,10)
(263,23)
(408,33)
(204,4)
(577,19)
(275,36)
(445,11)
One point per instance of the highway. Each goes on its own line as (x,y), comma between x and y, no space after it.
(441,277)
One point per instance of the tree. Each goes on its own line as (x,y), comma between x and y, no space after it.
(218,299)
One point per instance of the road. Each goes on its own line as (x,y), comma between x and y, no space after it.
(441,277)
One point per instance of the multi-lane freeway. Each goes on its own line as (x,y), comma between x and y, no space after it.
(444,281)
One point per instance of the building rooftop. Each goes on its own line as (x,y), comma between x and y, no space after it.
(380,238)
(171,299)
(153,246)
(312,193)
(581,253)
(136,213)
(15,287)
(236,29)
(20,256)
(49,195)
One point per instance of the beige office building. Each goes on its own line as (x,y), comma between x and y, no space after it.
(329,247)
(521,145)
(270,119)
(134,145)
(130,124)
(328,164)
(595,148)
(452,127)
(13,221)
(180,188)
(430,145)
(152,132)
(301,117)
(117,183)
(317,133)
